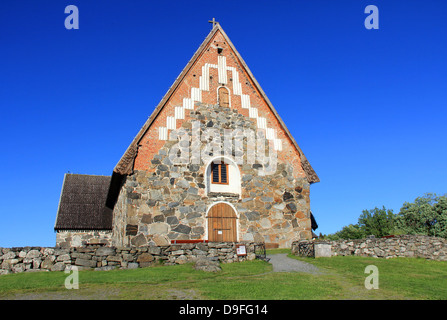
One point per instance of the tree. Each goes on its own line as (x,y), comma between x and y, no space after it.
(440,208)
(351,231)
(377,222)
(427,215)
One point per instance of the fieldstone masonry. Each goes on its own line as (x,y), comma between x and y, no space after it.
(166,186)
(68,239)
(169,201)
(432,248)
(29,259)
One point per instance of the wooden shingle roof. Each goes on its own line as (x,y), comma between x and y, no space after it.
(82,205)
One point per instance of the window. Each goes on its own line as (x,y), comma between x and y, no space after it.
(219,173)
(222,176)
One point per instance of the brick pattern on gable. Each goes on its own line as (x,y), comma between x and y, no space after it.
(243,96)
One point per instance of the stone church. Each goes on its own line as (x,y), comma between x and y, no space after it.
(214,162)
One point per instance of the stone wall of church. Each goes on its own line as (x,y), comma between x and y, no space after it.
(169,201)
(67,239)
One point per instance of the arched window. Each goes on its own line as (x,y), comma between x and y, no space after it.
(223,176)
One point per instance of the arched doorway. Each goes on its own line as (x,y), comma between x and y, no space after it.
(222,223)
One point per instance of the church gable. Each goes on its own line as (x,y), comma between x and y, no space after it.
(214,162)
(216,75)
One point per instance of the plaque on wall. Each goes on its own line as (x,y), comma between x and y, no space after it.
(241,250)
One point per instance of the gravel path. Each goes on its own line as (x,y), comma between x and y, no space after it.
(282,263)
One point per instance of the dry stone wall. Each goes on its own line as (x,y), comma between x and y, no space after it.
(399,246)
(29,259)
(433,248)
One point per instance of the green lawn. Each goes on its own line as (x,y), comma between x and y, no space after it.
(343,278)
(400,278)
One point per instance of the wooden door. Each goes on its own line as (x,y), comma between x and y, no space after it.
(222,223)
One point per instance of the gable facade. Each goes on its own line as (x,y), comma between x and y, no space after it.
(166,197)
(213,162)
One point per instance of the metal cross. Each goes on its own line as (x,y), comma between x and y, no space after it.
(214,22)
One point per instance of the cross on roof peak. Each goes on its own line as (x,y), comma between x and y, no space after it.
(214,22)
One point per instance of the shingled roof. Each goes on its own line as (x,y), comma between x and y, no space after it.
(82,205)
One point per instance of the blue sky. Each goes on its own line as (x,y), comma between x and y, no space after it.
(367,107)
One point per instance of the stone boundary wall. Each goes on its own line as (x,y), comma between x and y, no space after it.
(29,259)
(433,248)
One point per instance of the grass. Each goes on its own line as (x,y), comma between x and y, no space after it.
(343,278)
(399,278)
